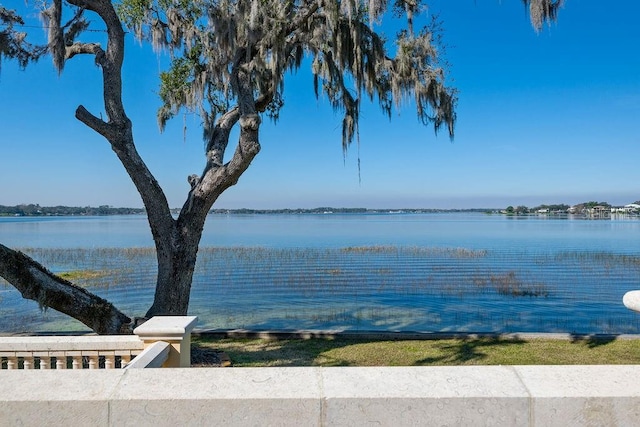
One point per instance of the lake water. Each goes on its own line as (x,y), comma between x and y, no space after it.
(397,272)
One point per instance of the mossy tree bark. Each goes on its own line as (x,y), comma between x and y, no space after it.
(37,283)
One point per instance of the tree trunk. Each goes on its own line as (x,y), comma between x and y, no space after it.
(177,245)
(37,283)
(175,273)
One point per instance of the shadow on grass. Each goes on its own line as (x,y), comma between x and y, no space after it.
(261,352)
(207,357)
(593,341)
(466,351)
(343,351)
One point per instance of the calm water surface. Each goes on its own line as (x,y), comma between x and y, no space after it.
(427,272)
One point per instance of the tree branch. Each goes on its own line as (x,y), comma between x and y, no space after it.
(217,144)
(84,48)
(118,129)
(37,283)
(93,122)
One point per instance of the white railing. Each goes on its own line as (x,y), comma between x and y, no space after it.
(106,351)
(62,352)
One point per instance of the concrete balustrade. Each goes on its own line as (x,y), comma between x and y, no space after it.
(395,396)
(60,352)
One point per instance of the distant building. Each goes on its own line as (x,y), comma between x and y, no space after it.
(598,211)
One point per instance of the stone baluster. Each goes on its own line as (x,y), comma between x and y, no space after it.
(76,362)
(76,358)
(61,361)
(123,360)
(12,362)
(45,362)
(125,357)
(109,359)
(93,359)
(27,359)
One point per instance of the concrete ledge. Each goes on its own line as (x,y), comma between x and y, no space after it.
(402,396)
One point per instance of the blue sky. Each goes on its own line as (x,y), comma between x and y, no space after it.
(549,117)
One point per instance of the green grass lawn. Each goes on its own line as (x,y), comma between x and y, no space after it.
(351,351)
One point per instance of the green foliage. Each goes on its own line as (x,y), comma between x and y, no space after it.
(174,83)
(350,60)
(37,210)
(213,41)
(552,208)
(82,275)
(133,12)
(593,204)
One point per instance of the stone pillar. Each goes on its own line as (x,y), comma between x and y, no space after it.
(175,330)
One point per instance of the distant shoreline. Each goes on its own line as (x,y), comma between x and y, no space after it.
(586,209)
(38,211)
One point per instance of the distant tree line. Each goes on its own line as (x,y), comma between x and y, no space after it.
(326,210)
(289,211)
(37,210)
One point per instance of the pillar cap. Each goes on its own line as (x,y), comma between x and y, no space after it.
(166,327)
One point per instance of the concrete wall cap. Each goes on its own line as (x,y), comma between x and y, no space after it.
(535,396)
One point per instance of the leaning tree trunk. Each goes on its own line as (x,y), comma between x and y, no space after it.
(37,283)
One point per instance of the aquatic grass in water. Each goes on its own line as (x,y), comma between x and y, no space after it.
(403,250)
(364,287)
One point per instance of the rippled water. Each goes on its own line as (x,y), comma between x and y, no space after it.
(426,272)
